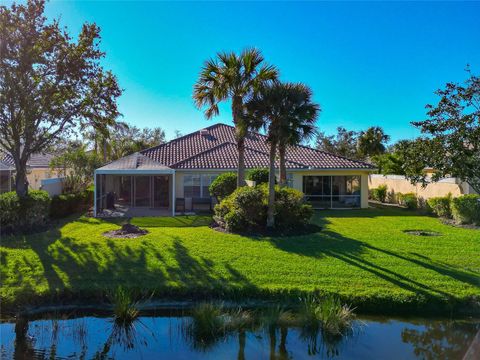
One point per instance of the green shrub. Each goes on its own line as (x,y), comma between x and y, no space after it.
(224,185)
(66,204)
(24,214)
(246,209)
(290,208)
(380,193)
(440,206)
(260,176)
(466,209)
(409,200)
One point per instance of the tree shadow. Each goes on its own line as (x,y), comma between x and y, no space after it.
(64,266)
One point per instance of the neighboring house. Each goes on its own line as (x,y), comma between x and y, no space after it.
(175,176)
(38,168)
(399,184)
(6,177)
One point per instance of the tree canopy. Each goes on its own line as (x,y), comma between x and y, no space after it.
(49,83)
(452,142)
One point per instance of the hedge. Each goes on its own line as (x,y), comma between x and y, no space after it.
(66,204)
(24,214)
(440,206)
(409,200)
(466,209)
(379,194)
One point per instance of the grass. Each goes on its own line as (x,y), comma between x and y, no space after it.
(362,256)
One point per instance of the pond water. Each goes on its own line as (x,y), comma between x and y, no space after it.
(165,335)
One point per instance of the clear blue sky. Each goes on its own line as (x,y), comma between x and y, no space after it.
(367,63)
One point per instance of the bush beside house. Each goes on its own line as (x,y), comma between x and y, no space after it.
(260,176)
(440,206)
(379,194)
(67,204)
(246,209)
(223,185)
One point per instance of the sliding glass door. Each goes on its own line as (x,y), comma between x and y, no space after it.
(161,191)
(325,192)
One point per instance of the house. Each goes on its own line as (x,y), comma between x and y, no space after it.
(6,177)
(38,168)
(175,176)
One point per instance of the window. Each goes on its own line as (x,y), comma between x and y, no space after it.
(332,191)
(290,180)
(197,185)
(191,186)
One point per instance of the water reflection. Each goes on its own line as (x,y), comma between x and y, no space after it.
(233,335)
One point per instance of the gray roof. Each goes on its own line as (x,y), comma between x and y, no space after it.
(5,166)
(37,160)
(135,161)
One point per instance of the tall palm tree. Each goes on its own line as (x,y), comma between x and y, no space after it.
(288,115)
(238,78)
(372,141)
(297,122)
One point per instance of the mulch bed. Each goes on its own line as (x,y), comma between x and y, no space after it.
(127,231)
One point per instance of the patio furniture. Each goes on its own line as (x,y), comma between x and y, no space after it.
(180,204)
(201,201)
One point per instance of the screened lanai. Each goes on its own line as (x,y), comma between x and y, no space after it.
(134,186)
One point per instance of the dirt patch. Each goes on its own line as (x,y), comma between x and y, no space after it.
(422,232)
(451,222)
(127,231)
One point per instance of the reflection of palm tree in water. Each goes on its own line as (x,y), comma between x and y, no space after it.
(23,343)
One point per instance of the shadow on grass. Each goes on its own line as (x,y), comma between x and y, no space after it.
(329,243)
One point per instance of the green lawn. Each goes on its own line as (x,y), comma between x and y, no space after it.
(363,256)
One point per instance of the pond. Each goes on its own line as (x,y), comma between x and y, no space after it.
(168,334)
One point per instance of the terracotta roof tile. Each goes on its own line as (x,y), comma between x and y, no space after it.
(215,148)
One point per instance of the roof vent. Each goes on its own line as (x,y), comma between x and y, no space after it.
(203,132)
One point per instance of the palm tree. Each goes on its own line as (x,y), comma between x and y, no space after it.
(238,78)
(371,142)
(297,122)
(288,115)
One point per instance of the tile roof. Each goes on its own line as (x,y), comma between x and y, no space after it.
(37,160)
(135,161)
(215,148)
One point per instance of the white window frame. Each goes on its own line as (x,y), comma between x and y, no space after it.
(202,182)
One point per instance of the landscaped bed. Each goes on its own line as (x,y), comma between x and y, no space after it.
(363,256)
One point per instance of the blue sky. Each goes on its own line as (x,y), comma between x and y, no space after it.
(367,63)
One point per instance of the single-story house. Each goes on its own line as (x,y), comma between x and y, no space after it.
(38,168)
(6,177)
(175,176)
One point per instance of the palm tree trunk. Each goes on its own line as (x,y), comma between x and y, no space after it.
(241,162)
(237,104)
(283,167)
(271,187)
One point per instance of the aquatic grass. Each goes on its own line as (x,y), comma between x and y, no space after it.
(125,308)
(207,325)
(326,313)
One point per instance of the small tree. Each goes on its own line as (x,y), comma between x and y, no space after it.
(344,143)
(48,83)
(77,166)
(259,175)
(453,128)
(223,185)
